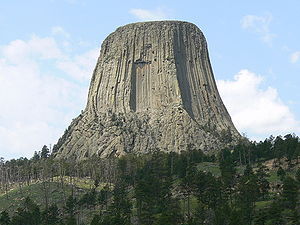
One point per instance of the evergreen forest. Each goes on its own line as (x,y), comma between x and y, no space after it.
(252,183)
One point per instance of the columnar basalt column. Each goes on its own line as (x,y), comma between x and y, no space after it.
(152,88)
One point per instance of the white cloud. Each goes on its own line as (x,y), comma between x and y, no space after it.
(37,99)
(79,66)
(57,30)
(144,14)
(259,25)
(19,51)
(255,110)
(295,57)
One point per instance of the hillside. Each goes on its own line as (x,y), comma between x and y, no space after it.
(159,188)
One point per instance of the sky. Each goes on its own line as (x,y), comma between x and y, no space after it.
(49,48)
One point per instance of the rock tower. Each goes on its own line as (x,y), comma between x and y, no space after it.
(152,89)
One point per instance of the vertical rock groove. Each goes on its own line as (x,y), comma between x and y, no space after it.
(180,56)
(152,87)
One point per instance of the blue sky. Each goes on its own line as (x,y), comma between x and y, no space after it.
(48,50)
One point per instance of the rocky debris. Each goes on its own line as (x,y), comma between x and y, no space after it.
(152,88)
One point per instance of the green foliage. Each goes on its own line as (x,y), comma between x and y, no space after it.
(11,200)
(27,214)
(158,188)
(227,167)
(71,205)
(298,175)
(247,194)
(4,218)
(260,217)
(51,215)
(121,205)
(274,216)
(96,220)
(70,220)
(89,199)
(262,180)
(290,193)
(152,189)
(290,147)
(281,173)
(36,156)
(45,153)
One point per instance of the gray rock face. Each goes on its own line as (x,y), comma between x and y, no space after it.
(152,88)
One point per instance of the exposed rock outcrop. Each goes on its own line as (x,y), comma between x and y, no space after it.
(152,88)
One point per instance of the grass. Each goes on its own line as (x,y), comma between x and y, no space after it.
(81,183)
(273,178)
(211,167)
(193,204)
(214,169)
(12,200)
(262,204)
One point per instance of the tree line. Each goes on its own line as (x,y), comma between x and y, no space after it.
(163,188)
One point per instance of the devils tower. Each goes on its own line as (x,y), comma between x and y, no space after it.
(152,89)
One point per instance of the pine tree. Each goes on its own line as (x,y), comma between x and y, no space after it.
(4,218)
(187,184)
(171,214)
(121,205)
(152,188)
(70,209)
(248,193)
(228,170)
(262,180)
(290,193)
(45,152)
(290,146)
(51,216)
(298,175)
(274,214)
(278,147)
(208,190)
(281,173)
(260,217)
(27,214)
(96,220)
(89,199)
(36,156)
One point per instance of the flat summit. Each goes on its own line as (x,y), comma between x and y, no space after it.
(152,89)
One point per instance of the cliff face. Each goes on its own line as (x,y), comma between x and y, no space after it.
(152,88)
